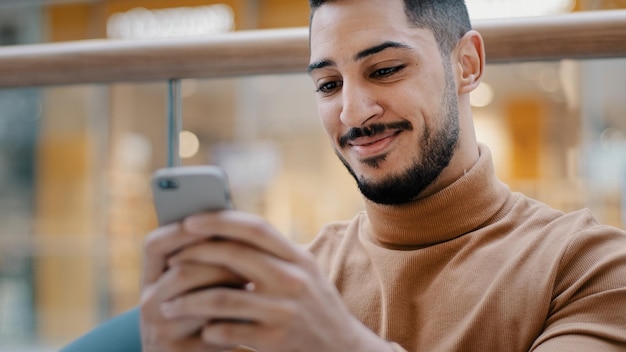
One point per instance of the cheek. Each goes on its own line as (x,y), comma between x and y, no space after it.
(421,106)
(329,117)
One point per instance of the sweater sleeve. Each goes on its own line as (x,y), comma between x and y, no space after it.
(589,296)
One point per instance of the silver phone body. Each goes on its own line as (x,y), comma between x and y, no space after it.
(185,190)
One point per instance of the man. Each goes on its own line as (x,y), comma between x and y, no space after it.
(444,258)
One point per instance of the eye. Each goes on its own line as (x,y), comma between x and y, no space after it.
(387,71)
(329,87)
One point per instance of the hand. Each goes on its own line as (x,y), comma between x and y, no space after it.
(288,306)
(161,284)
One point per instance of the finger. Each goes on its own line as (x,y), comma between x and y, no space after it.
(187,277)
(160,330)
(222,304)
(159,245)
(243,227)
(176,330)
(196,344)
(225,333)
(269,274)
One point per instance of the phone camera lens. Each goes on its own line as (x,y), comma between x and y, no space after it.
(168,183)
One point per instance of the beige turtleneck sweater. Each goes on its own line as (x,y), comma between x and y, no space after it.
(476,267)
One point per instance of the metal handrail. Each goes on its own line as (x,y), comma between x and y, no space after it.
(583,35)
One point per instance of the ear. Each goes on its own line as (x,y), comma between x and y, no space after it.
(470,61)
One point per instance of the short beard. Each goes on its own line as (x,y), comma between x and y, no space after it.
(437,148)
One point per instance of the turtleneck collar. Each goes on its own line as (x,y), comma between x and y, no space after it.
(458,209)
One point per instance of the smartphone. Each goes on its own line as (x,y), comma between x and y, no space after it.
(185,190)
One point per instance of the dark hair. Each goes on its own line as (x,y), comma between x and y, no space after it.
(447,19)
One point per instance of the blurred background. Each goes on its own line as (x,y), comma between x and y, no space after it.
(75,161)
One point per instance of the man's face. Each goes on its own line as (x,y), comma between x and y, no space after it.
(385,97)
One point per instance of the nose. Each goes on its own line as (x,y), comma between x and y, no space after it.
(359,104)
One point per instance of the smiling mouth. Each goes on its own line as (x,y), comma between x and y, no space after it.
(370,147)
(369,141)
(372,134)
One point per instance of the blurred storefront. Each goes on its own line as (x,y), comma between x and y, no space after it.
(75,160)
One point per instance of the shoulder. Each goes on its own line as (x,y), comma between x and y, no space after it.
(535,217)
(589,242)
(592,243)
(588,256)
(334,238)
(566,243)
(334,233)
(590,284)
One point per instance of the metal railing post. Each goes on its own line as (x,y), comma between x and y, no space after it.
(174,122)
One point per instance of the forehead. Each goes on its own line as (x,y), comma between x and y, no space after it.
(348,26)
(357,13)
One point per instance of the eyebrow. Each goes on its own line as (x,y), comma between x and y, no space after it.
(360,55)
(320,64)
(378,48)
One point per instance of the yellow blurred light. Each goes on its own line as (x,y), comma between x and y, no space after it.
(482,96)
(189,144)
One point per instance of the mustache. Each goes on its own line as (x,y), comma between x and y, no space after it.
(373,130)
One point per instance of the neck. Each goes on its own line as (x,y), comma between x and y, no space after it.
(470,200)
(464,158)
